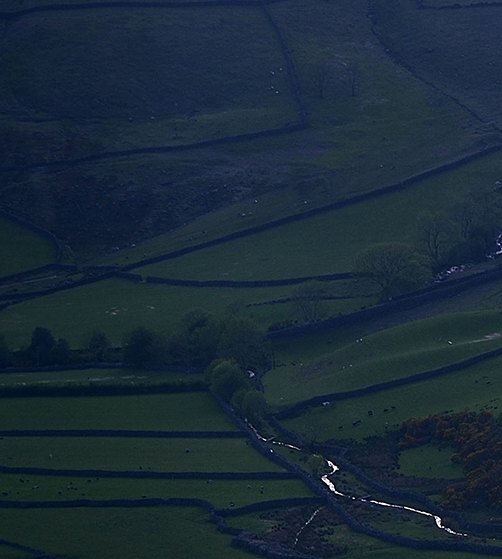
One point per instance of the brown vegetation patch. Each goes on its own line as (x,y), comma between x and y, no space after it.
(289,530)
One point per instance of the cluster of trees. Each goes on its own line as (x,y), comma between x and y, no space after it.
(199,339)
(43,350)
(395,267)
(234,385)
(332,75)
(443,240)
(477,438)
(468,233)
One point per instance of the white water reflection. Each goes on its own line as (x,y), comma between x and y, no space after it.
(331,486)
(304,526)
(463,267)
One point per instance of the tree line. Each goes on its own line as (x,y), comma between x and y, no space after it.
(199,339)
(232,350)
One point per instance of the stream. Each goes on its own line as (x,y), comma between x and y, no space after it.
(463,267)
(331,486)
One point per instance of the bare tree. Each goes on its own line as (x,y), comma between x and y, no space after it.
(321,75)
(307,299)
(395,267)
(351,77)
(436,236)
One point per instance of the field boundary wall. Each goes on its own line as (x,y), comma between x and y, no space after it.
(395,187)
(242,538)
(95,390)
(116,433)
(298,408)
(421,5)
(248,284)
(409,68)
(101,275)
(338,509)
(417,498)
(287,128)
(408,301)
(37,552)
(108,272)
(145,474)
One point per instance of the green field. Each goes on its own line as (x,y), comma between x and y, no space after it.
(329,243)
(390,91)
(116,306)
(131,454)
(120,376)
(398,352)
(22,249)
(476,388)
(119,532)
(155,412)
(191,411)
(218,492)
(429,461)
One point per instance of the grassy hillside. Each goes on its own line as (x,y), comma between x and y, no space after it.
(464,66)
(477,388)
(330,242)
(393,353)
(90,75)
(364,133)
(107,121)
(22,249)
(117,306)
